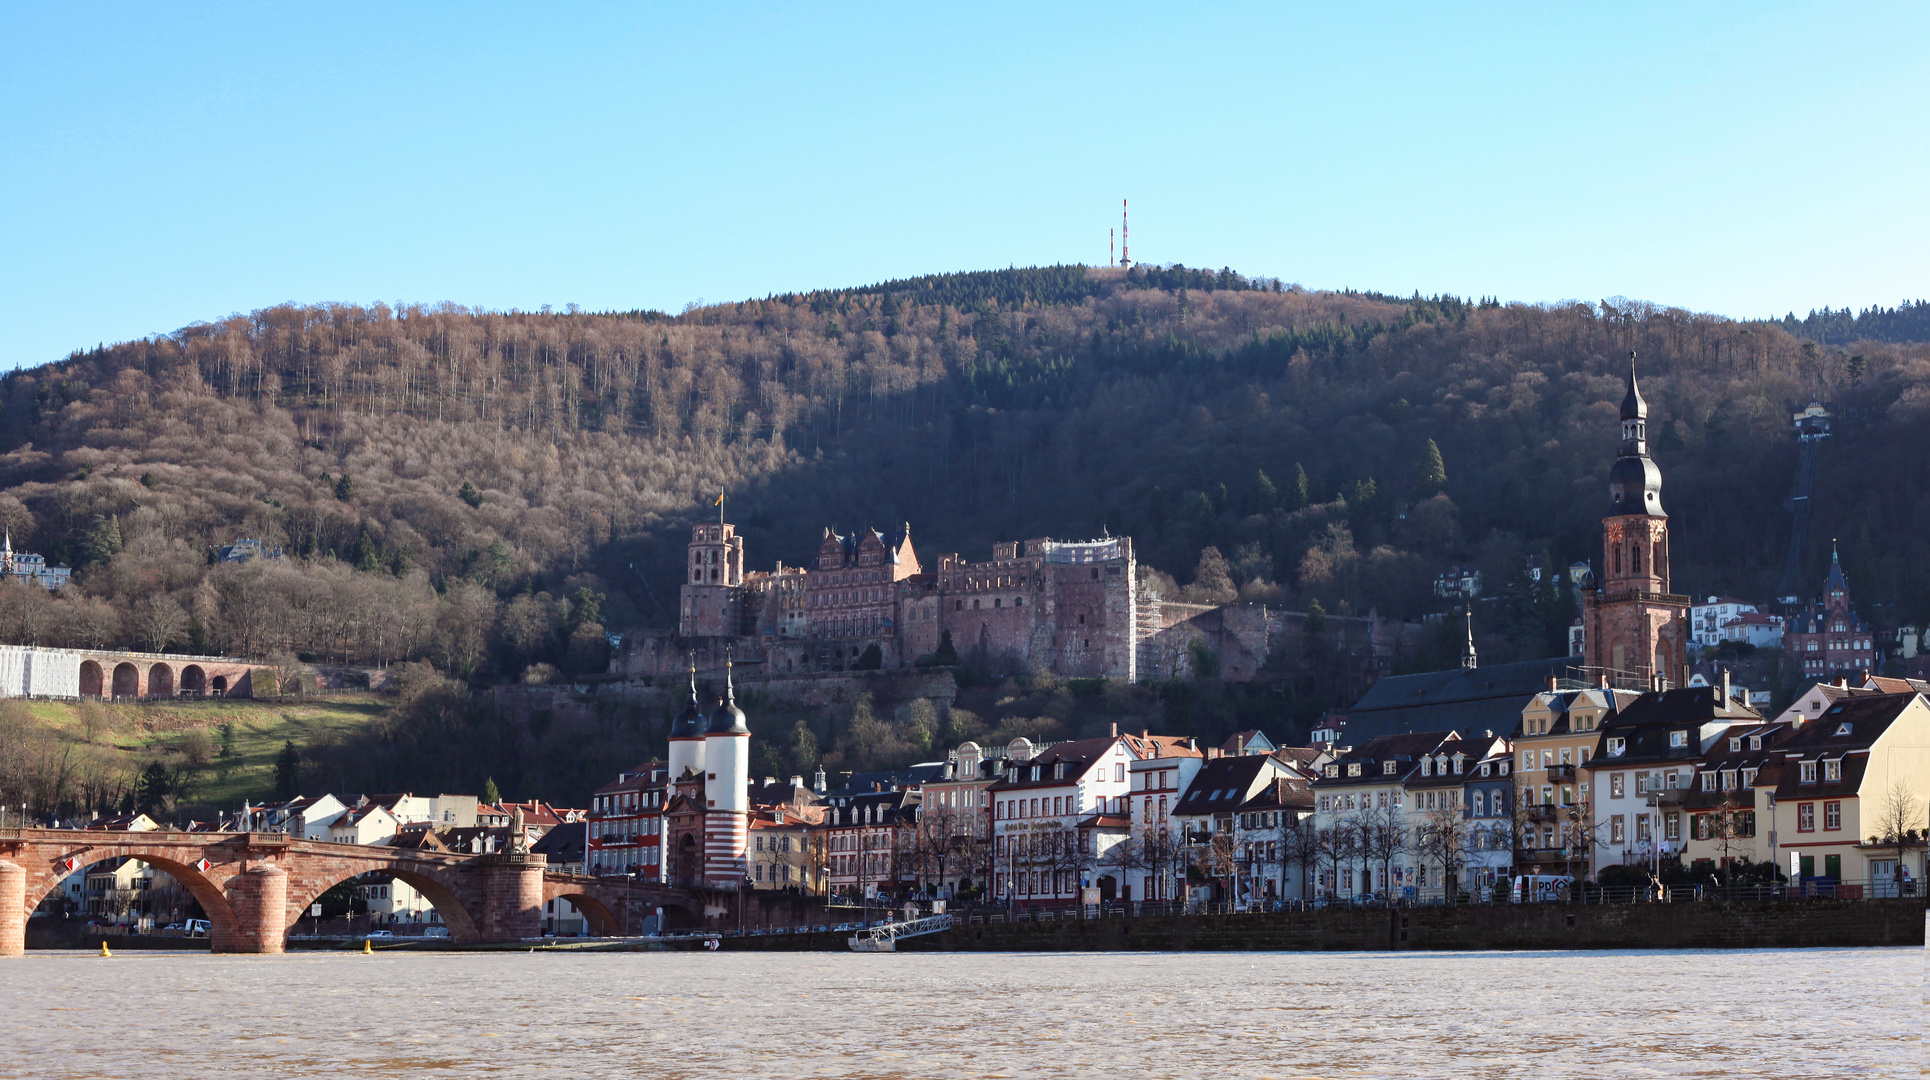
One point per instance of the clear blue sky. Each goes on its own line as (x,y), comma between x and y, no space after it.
(163,164)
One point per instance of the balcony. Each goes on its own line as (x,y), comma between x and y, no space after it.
(1541,812)
(1558,774)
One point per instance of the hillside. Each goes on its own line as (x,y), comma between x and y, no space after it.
(178,760)
(487,490)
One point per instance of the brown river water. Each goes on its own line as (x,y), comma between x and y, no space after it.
(1550,1016)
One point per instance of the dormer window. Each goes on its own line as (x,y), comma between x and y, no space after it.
(1332,771)
(1678,739)
(1833,771)
(1504,766)
(1807,772)
(1353,769)
(1484,768)
(1457,764)
(1708,781)
(1755,742)
(1843,728)
(1735,745)
(1427,767)
(1617,747)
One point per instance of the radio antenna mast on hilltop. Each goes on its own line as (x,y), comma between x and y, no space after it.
(1112,248)
(1125,245)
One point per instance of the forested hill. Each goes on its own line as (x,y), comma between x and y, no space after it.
(490,490)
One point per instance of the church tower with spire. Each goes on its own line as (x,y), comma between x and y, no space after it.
(1635,631)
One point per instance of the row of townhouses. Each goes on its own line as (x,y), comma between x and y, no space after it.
(1585,780)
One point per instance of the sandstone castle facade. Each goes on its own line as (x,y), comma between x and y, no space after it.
(1036,606)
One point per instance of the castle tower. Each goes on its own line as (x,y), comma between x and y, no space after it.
(1634,629)
(727,764)
(713,582)
(687,736)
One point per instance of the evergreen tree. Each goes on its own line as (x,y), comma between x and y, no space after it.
(469,494)
(103,538)
(344,487)
(1264,496)
(288,768)
(491,796)
(155,787)
(1316,618)
(367,558)
(1297,489)
(1431,477)
(947,654)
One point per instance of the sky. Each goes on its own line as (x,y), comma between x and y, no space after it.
(167,164)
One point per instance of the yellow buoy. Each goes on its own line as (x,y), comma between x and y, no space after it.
(367,949)
(104,951)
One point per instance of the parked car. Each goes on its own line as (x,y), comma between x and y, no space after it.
(381,935)
(436,932)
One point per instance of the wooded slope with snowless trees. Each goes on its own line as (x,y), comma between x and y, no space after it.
(492,490)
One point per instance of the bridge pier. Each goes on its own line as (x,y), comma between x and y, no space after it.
(511,908)
(260,901)
(13,910)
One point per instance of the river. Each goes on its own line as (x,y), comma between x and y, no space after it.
(1550,1016)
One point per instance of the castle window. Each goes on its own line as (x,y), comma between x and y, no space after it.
(1018,601)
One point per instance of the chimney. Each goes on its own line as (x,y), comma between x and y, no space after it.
(1145,733)
(1115,729)
(1603,680)
(1551,683)
(770,781)
(1842,683)
(797,781)
(1725,688)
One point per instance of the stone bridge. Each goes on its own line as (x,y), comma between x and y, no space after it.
(254,886)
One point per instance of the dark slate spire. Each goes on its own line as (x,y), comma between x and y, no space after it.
(728,719)
(1836,583)
(1634,483)
(1633,407)
(690,722)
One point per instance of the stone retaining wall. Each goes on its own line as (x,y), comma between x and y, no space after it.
(1639,926)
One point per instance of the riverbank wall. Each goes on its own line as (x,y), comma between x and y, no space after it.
(1738,925)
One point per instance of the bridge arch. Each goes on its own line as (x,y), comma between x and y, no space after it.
(455,915)
(160,681)
(602,921)
(194,680)
(213,900)
(127,680)
(93,681)
(219,685)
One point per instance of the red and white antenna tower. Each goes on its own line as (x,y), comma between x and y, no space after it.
(1125,245)
(1112,245)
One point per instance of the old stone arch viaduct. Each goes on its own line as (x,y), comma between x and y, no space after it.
(253,886)
(26,671)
